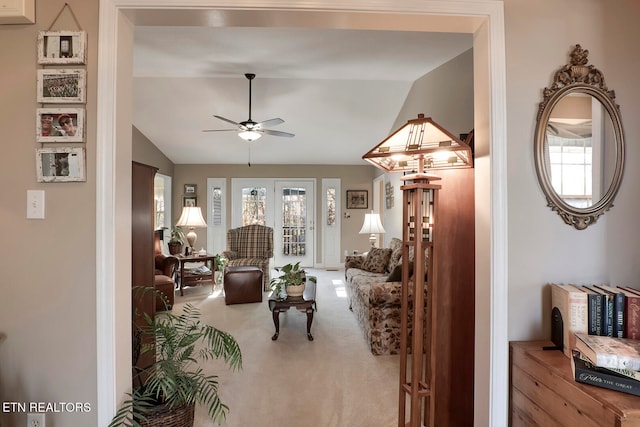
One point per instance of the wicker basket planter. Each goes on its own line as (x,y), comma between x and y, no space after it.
(163,416)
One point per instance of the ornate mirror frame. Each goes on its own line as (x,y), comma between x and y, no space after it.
(578,77)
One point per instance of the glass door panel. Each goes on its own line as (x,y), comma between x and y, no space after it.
(294,221)
(254,205)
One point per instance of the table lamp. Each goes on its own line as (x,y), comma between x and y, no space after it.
(373,226)
(191,218)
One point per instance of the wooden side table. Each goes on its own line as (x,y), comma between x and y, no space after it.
(194,278)
(543,392)
(306,303)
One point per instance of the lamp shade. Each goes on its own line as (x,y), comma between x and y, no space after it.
(421,144)
(191,217)
(372,224)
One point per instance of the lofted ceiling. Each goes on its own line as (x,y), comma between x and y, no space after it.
(339,91)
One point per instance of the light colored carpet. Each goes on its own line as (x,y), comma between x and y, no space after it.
(333,381)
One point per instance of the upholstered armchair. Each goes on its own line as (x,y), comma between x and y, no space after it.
(164,264)
(251,245)
(165,274)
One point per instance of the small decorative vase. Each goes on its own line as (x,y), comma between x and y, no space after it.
(295,291)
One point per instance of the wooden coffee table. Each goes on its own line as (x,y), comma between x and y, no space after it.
(306,303)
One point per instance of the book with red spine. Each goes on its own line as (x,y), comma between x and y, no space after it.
(632,312)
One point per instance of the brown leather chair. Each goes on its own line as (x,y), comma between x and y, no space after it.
(165,269)
(242,284)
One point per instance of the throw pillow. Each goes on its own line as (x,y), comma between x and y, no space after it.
(377,260)
(396,253)
(396,274)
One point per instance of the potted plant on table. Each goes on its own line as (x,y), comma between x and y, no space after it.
(176,241)
(220,262)
(166,392)
(292,280)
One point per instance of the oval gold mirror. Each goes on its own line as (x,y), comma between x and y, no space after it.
(579,143)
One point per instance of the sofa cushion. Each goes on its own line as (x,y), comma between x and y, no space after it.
(396,273)
(377,260)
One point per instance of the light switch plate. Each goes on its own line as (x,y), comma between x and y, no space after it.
(35,204)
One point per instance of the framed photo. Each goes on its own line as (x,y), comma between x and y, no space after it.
(60,125)
(388,194)
(190,189)
(357,199)
(62,47)
(189,201)
(65,164)
(60,86)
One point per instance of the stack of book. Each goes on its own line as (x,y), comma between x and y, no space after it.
(603,310)
(608,362)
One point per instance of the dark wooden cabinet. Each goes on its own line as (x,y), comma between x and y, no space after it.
(142,252)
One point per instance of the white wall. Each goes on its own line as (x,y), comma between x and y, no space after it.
(446,95)
(542,248)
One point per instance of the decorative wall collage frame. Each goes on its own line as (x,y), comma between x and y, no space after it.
(60,125)
(61,86)
(65,164)
(62,47)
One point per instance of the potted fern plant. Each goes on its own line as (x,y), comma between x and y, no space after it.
(166,392)
(291,281)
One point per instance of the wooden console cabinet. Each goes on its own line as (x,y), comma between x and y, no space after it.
(543,393)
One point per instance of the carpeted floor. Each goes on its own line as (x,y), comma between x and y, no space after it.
(333,381)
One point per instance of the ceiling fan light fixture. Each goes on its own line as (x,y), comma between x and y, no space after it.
(249,135)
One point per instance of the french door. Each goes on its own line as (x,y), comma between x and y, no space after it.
(294,220)
(285,205)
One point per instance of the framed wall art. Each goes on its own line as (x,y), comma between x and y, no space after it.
(388,194)
(191,189)
(60,125)
(61,86)
(190,201)
(357,199)
(62,47)
(64,164)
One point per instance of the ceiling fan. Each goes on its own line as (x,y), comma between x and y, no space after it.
(250,130)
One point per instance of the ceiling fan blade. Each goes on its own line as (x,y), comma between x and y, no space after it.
(276,133)
(220,130)
(227,120)
(269,123)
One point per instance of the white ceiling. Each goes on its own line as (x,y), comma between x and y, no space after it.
(338,91)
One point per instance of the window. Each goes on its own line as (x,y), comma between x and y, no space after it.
(254,202)
(294,221)
(571,169)
(331,206)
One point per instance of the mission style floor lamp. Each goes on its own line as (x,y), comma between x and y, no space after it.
(418,146)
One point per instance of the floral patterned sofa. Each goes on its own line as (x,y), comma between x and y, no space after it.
(373,298)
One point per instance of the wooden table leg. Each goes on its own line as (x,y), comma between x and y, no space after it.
(181,277)
(309,321)
(276,323)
